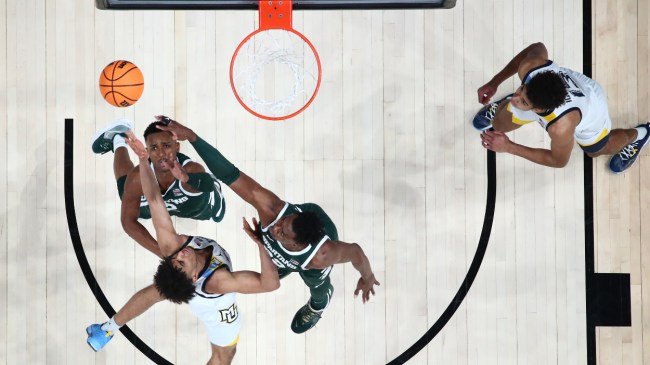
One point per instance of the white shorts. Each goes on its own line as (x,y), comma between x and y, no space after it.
(220,317)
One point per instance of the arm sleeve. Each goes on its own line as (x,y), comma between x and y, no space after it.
(222,169)
(201,181)
(326,221)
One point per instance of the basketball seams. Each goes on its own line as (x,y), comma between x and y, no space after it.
(116,82)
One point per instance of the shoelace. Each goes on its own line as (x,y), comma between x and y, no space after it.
(628,151)
(309,314)
(491,111)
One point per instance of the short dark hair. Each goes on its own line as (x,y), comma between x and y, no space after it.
(153,128)
(546,90)
(172,283)
(307,227)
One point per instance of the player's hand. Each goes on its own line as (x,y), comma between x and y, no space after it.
(136,145)
(179,132)
(366,287)
(254,234)
(486,92)
(179,172)
(495,141)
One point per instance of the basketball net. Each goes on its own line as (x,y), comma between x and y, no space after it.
(275,71)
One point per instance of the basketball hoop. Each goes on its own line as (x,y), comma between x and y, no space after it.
(275,71)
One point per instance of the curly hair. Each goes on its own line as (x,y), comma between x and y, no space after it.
(308,228)
(153,128)
(172,283)
(546,90)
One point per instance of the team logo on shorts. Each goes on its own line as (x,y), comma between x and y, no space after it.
(229,315)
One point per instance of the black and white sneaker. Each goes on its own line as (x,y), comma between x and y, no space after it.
(103,140)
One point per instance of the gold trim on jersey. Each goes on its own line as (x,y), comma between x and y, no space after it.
(602,135)
(233,343)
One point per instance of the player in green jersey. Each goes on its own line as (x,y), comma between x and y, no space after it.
(300,238)
(188,190)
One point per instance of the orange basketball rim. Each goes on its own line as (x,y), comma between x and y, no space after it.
(273,75)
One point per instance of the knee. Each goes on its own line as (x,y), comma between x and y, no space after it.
(222,355)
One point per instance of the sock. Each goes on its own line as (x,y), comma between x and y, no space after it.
(118,141)
(111,325)
(641,133)
(311,306)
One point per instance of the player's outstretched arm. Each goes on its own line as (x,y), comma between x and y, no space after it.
(249,282)
(130,212)
(168,240)
(265,202)
(529,57)
(338,252)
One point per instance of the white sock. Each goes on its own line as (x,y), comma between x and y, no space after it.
(118,141)
(641,133)
(111,325)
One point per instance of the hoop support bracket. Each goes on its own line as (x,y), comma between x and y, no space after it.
(275,14)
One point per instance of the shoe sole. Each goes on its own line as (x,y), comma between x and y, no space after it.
(121,121)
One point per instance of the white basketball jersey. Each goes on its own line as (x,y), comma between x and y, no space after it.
(219,258)
(218,312)
(583,94)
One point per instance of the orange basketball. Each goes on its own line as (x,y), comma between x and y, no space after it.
(121,83)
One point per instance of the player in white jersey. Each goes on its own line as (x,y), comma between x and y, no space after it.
(195,270)
(567,104)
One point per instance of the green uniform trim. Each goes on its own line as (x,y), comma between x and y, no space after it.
(201,181)
(223,169)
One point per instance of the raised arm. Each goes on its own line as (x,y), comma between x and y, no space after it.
(338,252)
(267,204)
(248,282)
(168,239)
(130,212)
(531,56)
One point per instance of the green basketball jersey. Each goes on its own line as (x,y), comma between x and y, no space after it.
(297,260)
(185,204)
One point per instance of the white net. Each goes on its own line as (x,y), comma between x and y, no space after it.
(275,73)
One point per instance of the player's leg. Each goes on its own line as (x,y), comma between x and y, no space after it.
(100,334)
(321,291)
(495,115)
(222,355)
(111,138)
(623,144)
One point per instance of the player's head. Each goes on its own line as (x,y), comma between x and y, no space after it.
(162,148)
(172,283)
(545,91)
(299,228)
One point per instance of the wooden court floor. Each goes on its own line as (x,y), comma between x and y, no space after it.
(386,149)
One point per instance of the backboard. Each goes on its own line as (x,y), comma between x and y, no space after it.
(253,4)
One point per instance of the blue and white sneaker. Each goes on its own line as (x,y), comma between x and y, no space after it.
(97,337)
(483,119)
(629,154)
(103,140)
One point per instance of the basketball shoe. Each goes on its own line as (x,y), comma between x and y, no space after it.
(97,337)
(629,154)
(483,119)
(305,319)
(103,140)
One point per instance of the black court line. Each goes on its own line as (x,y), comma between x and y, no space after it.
(81,255)
(590,266)
(471,273)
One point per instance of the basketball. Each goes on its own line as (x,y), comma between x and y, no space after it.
(121,83)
